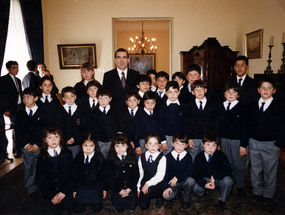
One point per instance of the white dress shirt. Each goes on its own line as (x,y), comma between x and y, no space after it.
(267,103)
(89,157)
(243,78)
(233,103)
(120,73)
(73,108)
(204,101)
(107,108)
(43,97)
(51,151)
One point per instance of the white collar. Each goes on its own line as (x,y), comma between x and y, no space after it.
(233,103)
(168,102)
(107,108)
(34,109)
(134,110)
(91,101)
(43,97)
(147,111)
(85,82)
(51,151)
(141,93)
(267,103)
(181,155)
(154,155)
(204,101)
(73,107)
(120,156)
(89,156)
(120,72)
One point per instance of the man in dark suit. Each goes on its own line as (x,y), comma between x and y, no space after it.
(10,94)
(248,86)
(121,79)
(32,79)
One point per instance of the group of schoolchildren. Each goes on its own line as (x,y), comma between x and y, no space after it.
(164,142)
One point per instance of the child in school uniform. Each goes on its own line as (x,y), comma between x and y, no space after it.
(171,117)
(122,174)
(161,80)
(70,115)
(267,124)
(180,78)
(212,169)
(143,85)
(233,132)
(202,117)
(152,167)
(106,118)
(88,174)
(54,174)
(28,133)
(48,102)
(152,74)
(179,171)
(87,74)
(145,122)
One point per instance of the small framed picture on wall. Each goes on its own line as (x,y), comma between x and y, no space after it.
(254,44)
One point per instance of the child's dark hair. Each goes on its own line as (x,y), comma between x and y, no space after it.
(198,83)
(152,135)
(32,65)
(121,50)
(30,91)
(11,63)
(162,74)
(132,93)
(43,79)
(143,78)
(232,85)
(103,91)
(92,138)
(269,80)
(149,95)
(44,147)
(241,57)
(68,89)
(179,75)
(210,137)
(172,84)
(93,84)
(120,138)
(180,137)
(194,67)
(152,71)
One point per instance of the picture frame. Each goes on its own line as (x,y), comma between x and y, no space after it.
(142,62)
(254,44)
(72,56)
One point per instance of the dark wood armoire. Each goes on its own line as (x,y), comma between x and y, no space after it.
(216,62)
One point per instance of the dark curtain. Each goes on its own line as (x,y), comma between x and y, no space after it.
(33,23)
(4,21)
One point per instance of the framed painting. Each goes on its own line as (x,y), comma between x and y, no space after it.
(72,56)
(254,44)
(142,62)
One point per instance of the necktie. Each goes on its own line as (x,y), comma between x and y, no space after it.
(17,84)
(239,81)
(69,110)
(228,107)
(201,105)
(46,100)
(93,105)
(31,112)
(104,111)
(123,80)
(160,94)
(262,107)
(87,160)
(55,153)
(177,157)
(132,113)
(123,157)
(150,113)
(150,159)
(210,157)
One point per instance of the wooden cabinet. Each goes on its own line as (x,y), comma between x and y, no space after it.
(216,62)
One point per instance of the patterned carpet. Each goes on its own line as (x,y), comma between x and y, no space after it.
(13,200)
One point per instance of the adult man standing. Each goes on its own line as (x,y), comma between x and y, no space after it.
(121,79)
(10,94)
(32,79)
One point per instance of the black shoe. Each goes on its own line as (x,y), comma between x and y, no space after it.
(241,192)
(221,204)
(267,201)
(185,205)
(159,203)
(256,198)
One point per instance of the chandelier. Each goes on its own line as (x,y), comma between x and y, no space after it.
(142,45)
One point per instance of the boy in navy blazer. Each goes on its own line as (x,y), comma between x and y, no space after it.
(161,79)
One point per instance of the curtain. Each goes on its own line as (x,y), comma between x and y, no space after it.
(33,22)
(4,21)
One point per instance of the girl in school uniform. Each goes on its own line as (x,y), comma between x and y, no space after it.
(88,176)
(54,174)
(122,174)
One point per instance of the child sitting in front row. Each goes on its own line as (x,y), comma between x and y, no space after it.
(54,174)
(88,176)
(122,174)
(152,166)
(179,171)
(212,169)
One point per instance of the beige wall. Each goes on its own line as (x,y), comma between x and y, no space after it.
(88,21)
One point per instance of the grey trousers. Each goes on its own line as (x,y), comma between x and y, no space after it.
(225,186)
(169,144)
(104,147)
(187,186)
(30,165)
(238,163)
(264,158)
(74,150)
(197,148)
(142,145)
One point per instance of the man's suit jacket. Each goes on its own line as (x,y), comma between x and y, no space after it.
(9,93)
(112,81)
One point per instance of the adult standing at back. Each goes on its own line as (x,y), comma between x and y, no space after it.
(121,79)
(32,79)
